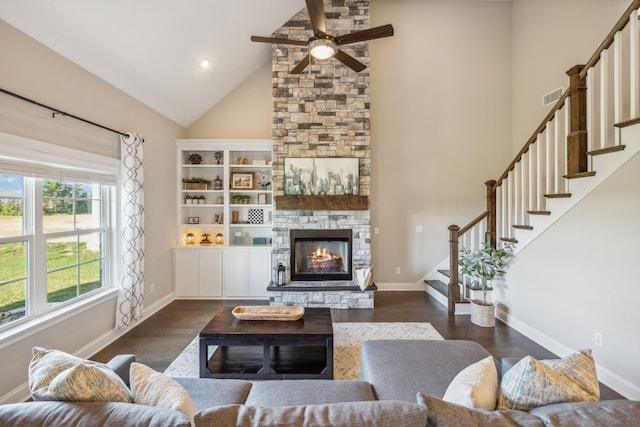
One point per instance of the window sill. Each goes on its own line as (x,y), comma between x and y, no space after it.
(32,326)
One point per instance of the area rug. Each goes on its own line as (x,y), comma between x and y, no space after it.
(347,340)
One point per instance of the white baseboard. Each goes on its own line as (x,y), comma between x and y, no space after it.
(605,376)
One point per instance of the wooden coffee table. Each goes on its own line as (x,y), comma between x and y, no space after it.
(268,349)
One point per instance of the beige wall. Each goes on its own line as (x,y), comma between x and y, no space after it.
(549,37)
(34,71)
(244,114)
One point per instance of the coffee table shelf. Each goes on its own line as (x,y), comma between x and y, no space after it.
(268,349)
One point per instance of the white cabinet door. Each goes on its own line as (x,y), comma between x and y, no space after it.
(210,272)
(235,272)
(259,271)
(185,271)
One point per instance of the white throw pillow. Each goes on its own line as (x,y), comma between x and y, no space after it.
(476,386)
(152,388)
(56,375)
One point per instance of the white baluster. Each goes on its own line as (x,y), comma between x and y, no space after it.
(634,65)
(591,111)
(567,121)
(556,152)
(617,86)
(604,97)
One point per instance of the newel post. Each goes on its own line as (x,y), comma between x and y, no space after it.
(491,207)
(577,138)
(454,288)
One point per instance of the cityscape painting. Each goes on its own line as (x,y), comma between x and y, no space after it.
(335,176)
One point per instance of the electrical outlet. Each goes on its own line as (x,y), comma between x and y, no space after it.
(419,229)
(597,339)
(152,288)
(397,270)
(376,230)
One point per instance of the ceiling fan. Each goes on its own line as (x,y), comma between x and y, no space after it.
(322,45)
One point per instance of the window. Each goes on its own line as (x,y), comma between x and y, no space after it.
(56,232)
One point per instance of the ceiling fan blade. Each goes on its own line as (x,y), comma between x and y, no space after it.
(350,61)
(276,40)
(364,35)
(301,66)
(317,17)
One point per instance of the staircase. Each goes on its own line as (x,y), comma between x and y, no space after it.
(592,130)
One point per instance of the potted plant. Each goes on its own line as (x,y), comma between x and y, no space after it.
(241,199)
(483,266)
(188,199)
(196,183)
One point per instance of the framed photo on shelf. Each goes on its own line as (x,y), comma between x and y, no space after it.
(242,180)
(262,198)
(193,220)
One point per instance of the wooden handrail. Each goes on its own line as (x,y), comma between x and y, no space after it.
(558,105)
(469,226)
(622,22)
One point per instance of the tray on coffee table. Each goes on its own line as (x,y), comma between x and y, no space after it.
(265,312)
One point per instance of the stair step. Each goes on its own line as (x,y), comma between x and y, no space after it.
(439,286)
(626,123)
(557,195)
(523,227)
(606,150)
(471,284)
(509,240)
(539,212)
(580,175)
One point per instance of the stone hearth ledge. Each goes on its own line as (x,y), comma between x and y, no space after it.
(319,286)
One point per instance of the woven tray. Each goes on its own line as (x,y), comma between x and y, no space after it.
(265,312)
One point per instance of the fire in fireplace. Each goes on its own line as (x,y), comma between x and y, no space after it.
(321,255)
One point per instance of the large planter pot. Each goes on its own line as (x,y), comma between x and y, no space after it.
(483,315)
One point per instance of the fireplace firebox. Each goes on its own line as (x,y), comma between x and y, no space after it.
(321,255)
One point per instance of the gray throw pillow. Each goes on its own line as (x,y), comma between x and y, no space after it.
(445,414)
(384,413)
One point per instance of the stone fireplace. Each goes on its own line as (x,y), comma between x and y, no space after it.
(321,113)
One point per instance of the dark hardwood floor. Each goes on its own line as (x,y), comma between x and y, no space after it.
(158,340)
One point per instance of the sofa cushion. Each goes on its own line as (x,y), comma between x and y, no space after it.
(155,389)
(476,386)
(531,383)
(446,414)
(427,365)
(585,414)
(47,364)
(306,392)
(370,414)
(208,392)
(83,414)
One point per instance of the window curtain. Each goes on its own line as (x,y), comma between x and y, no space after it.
(131,298)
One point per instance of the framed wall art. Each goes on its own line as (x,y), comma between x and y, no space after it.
(193,220)
(327,176)
(242,180)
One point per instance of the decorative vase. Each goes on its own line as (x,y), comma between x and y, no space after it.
(483,315)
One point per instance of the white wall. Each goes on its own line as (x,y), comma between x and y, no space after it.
(580,277)
(34,71)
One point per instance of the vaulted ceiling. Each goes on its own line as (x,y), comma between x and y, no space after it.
(153,49)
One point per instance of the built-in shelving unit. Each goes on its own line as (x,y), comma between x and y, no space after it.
(238,201)
(228,214)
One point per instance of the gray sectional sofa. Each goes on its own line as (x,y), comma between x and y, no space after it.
(396,375)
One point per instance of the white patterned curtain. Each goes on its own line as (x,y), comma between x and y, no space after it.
(131,296)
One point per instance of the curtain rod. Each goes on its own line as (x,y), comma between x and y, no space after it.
(56,112)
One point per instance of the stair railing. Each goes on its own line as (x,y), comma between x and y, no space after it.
(602,94)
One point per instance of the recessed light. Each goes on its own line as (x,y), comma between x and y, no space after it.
(205,63)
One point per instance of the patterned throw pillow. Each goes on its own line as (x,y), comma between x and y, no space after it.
(56,375)
(152,388)
(531,383)
(445,414)
(476,386)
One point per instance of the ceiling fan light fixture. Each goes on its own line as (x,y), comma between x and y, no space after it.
(322,48)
